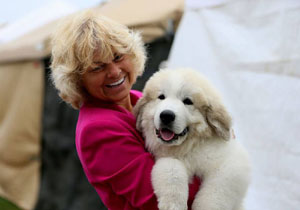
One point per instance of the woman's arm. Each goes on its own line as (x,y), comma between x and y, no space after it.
(113,155)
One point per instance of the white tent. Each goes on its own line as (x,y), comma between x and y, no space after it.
(250,50)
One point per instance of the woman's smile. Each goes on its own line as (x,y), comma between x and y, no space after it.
(117,83)
(116,88)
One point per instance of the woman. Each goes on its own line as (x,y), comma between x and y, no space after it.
(95,62)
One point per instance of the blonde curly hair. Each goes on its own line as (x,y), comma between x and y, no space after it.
(75,43)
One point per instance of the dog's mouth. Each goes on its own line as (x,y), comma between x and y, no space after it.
(169,136)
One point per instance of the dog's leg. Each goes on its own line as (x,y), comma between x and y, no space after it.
(222,190)
(170,183)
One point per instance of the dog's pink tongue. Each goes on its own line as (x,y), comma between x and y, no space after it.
(166,134)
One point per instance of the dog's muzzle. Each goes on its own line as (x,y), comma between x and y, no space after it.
(168,135)
(165,132)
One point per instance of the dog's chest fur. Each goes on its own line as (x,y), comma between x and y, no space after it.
(201,157)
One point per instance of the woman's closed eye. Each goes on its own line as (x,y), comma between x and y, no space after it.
(98,68)
(118,58)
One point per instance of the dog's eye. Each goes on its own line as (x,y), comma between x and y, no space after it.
(161,97)
(187,101)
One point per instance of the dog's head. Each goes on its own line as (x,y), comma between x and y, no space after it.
(179,103)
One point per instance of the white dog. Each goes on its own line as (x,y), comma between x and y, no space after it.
(188,130)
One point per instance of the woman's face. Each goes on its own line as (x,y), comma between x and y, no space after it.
(110,82)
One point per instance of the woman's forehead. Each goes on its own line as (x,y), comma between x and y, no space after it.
(103,56)
(99,58)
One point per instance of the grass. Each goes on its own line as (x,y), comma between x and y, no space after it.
(7,205)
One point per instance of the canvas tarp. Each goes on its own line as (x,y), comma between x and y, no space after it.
(151,18)
(21,98)
(250,52)
(22,86)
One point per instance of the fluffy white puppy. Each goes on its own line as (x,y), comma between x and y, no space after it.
(188,130)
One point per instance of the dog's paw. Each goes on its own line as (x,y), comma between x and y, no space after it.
(167,205)
(172,207)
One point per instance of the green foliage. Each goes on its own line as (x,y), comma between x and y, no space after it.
(7,205)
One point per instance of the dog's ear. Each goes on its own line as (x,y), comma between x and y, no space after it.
(219,120)
(138,110)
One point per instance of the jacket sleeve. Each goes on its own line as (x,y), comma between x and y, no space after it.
(113,155)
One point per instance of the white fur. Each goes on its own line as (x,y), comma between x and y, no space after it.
(221,162)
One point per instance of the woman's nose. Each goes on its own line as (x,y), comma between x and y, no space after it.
(113,70)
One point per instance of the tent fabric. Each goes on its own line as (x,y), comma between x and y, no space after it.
(50,11)
(250,51)
(21,93)
(151,18)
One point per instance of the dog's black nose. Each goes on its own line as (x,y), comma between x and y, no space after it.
(167,116)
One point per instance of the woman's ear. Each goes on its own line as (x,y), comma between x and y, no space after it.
(138,111)
(219,120)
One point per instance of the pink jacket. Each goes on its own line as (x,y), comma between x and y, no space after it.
(113,155)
